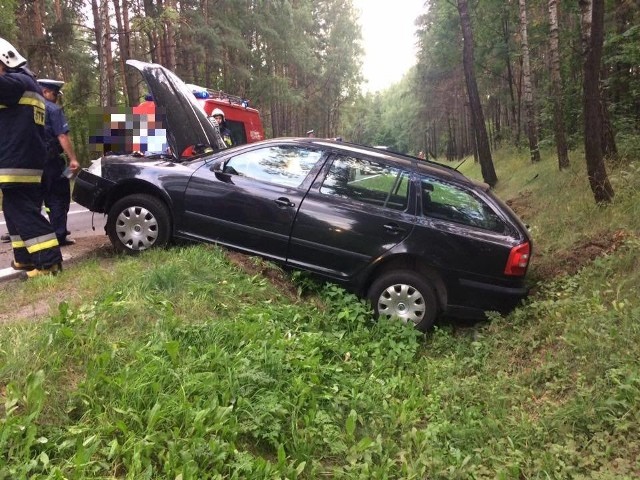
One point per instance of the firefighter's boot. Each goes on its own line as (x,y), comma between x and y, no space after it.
(43,272)
(22,266)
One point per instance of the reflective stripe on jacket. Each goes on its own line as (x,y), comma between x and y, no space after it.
(32,99)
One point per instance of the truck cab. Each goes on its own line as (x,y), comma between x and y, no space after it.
(243,121)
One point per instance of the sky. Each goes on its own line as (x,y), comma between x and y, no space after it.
(388,38)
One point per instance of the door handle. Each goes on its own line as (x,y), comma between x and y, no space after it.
(393,228)
(284,202)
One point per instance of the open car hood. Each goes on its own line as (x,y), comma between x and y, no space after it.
(186,123)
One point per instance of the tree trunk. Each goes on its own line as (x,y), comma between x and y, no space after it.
(608,144)
(482,140)
(58,10)
(450,140)
(532,131)
(519,104)
(585,24)
(125,49)
(434,141)
(497,116)
(152,36)
(596,171)
(36,49)
(474,143)
(102,72)
(621,88)
(124,32)
(169,37)
(609,147)
(556,88)
(108,54)
(506,35)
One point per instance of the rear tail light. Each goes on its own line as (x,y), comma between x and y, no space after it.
(518,260)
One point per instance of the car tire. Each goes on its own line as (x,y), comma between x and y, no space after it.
(405,295)
(138,222)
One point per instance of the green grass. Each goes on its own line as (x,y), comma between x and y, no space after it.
(180,364)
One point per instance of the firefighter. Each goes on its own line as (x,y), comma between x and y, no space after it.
(55,184)
(218,116)
(22,155)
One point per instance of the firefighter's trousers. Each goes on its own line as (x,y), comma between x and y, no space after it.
(57,196)
(32,237)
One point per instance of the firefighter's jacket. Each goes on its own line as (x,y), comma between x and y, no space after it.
(22,141)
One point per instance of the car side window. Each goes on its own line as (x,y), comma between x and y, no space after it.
(449,202)
(281,164)
(367,181)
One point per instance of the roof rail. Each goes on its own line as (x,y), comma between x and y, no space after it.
(232,99)
(209,93)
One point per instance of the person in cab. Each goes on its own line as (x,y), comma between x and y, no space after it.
(218,117)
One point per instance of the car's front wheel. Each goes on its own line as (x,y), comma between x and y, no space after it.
(405,295)
(138,222)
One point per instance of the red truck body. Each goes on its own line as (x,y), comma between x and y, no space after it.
(243,121)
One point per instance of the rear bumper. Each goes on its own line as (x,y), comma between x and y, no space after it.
(492,289)
(480,297)
(91,191)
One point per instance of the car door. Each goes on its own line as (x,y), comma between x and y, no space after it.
(251,200)
(356,212)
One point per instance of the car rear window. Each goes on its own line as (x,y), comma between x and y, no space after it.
(367,181)
(449,202)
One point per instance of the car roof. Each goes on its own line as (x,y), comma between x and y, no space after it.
(426,167)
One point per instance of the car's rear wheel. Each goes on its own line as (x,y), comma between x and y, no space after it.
(405,295)
(138,222)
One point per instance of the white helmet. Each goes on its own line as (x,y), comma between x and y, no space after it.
(10,56)
(217,111)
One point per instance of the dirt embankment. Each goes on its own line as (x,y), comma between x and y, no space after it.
(570,260)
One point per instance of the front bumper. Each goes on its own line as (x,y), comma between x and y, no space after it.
(91,191)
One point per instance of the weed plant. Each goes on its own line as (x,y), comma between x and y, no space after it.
(177,364)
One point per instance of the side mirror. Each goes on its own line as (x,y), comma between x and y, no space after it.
(221,174)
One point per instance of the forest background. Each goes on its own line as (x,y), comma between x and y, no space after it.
(299,63)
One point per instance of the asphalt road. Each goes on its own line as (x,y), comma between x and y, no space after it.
(79,222)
